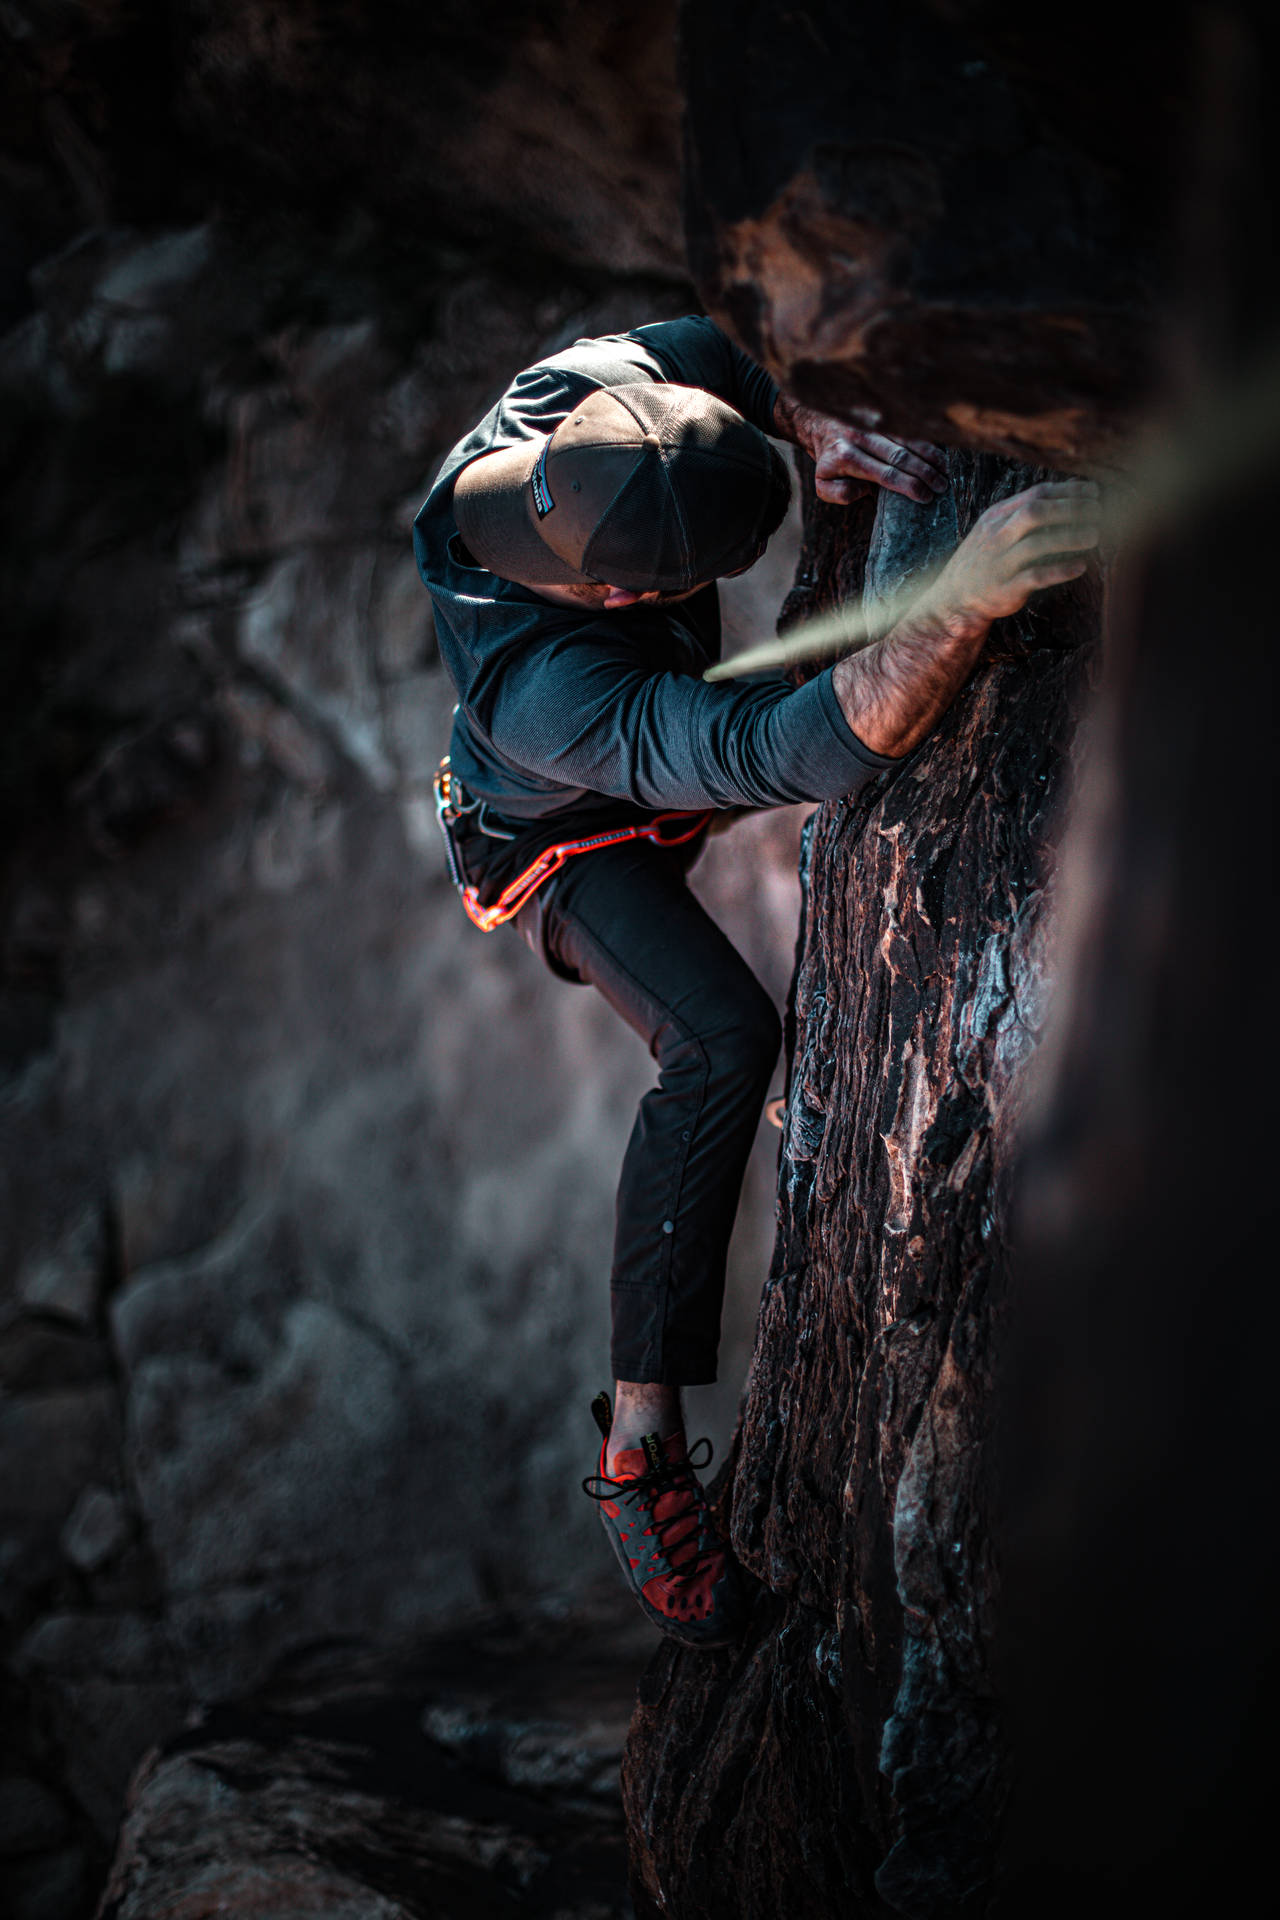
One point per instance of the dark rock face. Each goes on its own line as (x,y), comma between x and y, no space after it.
(475,1775)
(546,131)
(233,1186)
(553,128)
(946,217)
(849,1758)
(1144,1569)
(938,218)
(1142,1588)
(306,1188)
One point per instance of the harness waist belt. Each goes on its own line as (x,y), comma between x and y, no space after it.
(451,806)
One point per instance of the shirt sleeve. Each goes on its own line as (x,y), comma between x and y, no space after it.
(580,711)
(695,352)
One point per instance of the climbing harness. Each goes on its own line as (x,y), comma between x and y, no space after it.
(452,805)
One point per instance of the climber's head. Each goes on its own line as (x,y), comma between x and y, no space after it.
(644,492)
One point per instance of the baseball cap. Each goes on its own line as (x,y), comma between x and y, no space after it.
(644,486)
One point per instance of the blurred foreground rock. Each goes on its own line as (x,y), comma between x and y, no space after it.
(1143,1566)
(475,1776)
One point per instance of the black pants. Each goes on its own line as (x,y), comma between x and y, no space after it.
(624,920)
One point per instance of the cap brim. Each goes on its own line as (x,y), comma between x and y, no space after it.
(493,506)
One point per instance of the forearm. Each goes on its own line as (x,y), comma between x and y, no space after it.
(585,718)
(894,692)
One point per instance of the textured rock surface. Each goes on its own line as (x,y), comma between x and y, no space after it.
(547,130)
(301,1327)
(305,1188)
(477,1775)
(851,1754)
(849,1757)
(945,216)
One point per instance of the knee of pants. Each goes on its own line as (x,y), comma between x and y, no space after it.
(742,1044)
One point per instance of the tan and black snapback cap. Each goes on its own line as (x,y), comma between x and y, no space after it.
(647,487)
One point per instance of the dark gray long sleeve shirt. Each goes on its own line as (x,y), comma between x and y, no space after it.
(569,720)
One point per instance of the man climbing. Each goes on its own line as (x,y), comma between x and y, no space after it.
(570,545)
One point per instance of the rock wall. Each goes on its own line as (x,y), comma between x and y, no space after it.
(945,215)
(938,218)
(465,1778)
(306,1187)
(849,1756)
(295,1325)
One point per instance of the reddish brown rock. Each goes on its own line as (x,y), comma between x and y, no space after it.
(849,1757)
(949,217)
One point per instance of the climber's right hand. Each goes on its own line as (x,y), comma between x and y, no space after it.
(1034,539)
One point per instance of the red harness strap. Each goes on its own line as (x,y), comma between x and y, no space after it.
(518,892)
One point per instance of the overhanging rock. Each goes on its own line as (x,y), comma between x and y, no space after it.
(942,216)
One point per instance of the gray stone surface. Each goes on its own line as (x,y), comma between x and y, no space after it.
(66,1278)
(45,1886)
(32,1819)
(97,1527)
(110,1687)
(51,1445)
(307,1187)
(474,1775)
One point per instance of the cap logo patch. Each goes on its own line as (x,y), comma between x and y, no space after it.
(543,503)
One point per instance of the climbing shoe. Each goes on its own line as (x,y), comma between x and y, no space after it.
(655,1513)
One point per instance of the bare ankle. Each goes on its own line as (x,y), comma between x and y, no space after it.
(640,1407)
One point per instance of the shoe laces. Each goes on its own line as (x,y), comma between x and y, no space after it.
(679,1530)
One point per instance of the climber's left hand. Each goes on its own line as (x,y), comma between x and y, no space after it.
(848,459)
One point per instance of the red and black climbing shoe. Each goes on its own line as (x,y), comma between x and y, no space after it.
(655,1514)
